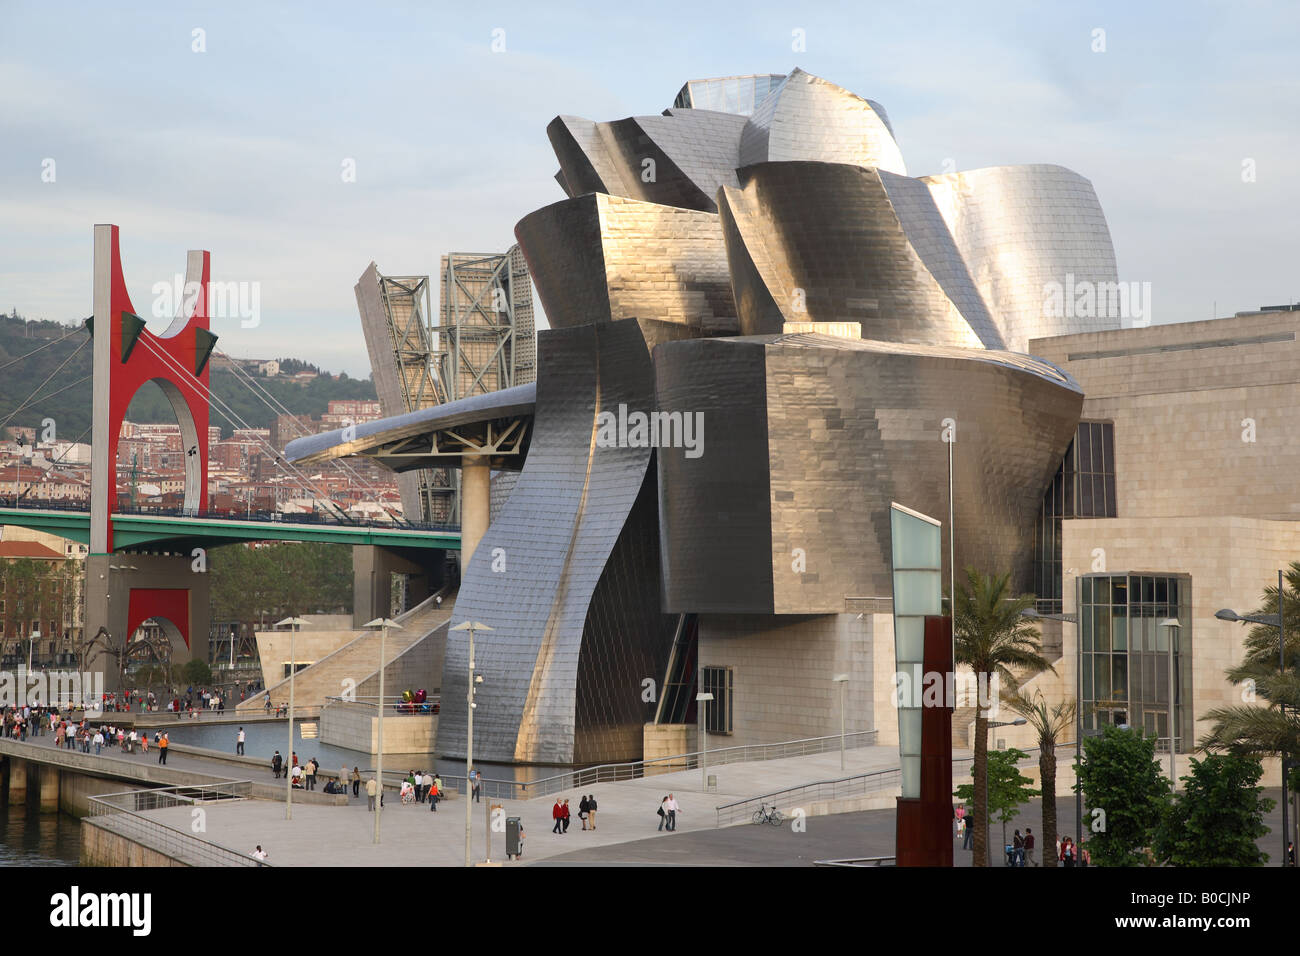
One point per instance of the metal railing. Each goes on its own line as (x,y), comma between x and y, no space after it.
(636,769)
(232,514)
(860,861)
(124,813)
(393,706)
(843,787)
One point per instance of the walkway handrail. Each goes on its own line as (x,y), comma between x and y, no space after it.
(123,813)
(840,787)
(856,785)
(636,769)
(277,517)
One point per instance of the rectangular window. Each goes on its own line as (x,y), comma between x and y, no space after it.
(717,712)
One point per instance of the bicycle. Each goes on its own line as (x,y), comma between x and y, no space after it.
(763,815)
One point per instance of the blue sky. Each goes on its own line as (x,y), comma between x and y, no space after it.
(239,149)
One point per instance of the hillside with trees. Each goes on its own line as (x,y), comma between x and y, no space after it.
(65,354)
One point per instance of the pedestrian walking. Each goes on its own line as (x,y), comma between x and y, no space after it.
(356,781)
(672,808)
(662,811)
(1029,846)
(163,744)
(310,770)
(968,843)
(435,794)
(557,814)
(591,809)
(99,742)
(582,811)
(239,743)
(565,818)
(343,779)
(476,785)
(1017,849)
(277,764)
(371,789)
(1068,855)
(259,853)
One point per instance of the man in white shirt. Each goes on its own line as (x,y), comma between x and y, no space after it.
(99,742)
(259,853)
(239,743)
(672,808)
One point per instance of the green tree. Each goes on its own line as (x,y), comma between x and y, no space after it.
(1218,817)
(1050,721)
(1272,730)
(1008,788)
(197,672)
(1126,796)
(993,637)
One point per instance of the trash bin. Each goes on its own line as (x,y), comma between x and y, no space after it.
(514,838)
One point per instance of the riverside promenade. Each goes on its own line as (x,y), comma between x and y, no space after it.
(415,836)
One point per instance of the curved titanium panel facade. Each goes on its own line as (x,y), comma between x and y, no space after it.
(848,426)
(827,237)
(602,258)
(1020,228)
(558,533)
(806,117)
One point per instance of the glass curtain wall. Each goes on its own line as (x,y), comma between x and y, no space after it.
(1125,653)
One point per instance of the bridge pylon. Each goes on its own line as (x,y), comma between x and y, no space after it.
(122,594)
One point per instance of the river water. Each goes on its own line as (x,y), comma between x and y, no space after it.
(31,838)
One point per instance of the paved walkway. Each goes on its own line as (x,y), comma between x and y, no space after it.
(415,836)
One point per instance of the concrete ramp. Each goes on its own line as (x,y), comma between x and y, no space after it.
(357,661)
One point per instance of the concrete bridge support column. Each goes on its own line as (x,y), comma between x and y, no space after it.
(125,590)
(475,506)
(373,568)
(17,780)
(49,788)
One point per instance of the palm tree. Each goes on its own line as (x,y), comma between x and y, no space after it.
(1271,731)
(992,636)
(1050,722)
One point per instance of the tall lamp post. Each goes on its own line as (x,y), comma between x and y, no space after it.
(842,680)
(1034,615)
(293,623)
(701,704)
(1278,621)
(988,813)
(471,690)
(383,624)
(1171,623)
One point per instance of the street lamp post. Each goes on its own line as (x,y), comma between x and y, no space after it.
(842,680)
(293,623)
(472,688)
(701,701)
(988,814)
(383,624)
(1173,630)
(1278,621)
(1078,711)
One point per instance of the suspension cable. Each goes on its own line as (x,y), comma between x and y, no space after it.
(27,401)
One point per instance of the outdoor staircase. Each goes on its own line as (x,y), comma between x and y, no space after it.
(356,660)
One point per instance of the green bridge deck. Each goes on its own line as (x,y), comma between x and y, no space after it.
(132,531)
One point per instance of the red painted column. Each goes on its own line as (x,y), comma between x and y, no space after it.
(923,835)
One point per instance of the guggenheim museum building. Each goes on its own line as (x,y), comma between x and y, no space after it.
(764,329)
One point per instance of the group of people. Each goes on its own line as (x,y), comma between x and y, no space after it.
(421,786)
(586,813)
(1023,847)
(668,810)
